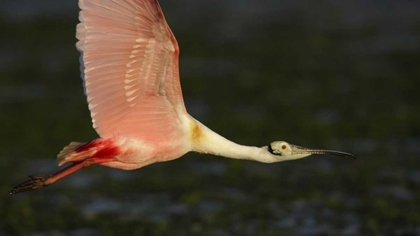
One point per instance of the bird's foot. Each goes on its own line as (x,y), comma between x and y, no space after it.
(34,182)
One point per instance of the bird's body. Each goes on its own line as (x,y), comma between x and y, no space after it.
(129,64)
(130,59)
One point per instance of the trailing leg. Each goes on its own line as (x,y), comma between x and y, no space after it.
(43,180)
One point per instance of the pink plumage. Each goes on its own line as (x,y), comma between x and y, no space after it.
(129,64)
(130,71)
(130,59)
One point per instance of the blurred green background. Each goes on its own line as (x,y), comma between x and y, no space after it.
(330,74)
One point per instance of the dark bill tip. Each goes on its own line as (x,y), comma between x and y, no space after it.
(337,153)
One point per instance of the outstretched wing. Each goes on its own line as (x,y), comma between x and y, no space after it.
(129,63)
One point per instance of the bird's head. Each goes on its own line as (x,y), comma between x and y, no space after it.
(282,151)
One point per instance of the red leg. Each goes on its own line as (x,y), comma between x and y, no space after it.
(42,180)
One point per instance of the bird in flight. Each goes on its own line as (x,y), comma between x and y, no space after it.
(129,65)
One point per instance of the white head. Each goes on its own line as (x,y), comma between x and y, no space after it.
(212,143)
(282,151)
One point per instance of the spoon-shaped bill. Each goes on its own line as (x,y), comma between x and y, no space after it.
(302,150)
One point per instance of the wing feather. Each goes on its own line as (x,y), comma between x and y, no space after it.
(129,64)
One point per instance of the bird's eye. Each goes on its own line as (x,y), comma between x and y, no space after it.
(270,149)
(283,147)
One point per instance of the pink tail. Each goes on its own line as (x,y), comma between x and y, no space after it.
(68,151)
(96,149)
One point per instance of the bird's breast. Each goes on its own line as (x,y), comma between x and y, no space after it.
(139,151)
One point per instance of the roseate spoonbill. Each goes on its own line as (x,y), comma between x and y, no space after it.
(129,63)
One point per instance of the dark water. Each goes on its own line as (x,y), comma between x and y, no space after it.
(331,74)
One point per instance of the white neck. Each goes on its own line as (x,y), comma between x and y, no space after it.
(207,141)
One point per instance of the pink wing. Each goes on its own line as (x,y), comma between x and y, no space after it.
(129,63)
